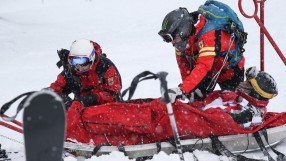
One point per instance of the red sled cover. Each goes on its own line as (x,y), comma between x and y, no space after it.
(147,121)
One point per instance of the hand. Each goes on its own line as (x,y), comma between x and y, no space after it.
(66,100)
(196,94)
(63,54)
(174,93)
(88,100)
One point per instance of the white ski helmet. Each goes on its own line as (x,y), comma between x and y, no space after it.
(82,52)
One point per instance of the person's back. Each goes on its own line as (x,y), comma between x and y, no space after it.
(207,50)
(199,56)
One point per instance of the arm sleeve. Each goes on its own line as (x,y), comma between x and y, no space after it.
(204,63)
(198,74)
(183,65)
(59,84)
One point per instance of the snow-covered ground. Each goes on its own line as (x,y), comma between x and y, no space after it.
(32,31)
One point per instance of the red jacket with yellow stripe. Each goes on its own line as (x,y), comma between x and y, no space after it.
(203,53)
(102,80)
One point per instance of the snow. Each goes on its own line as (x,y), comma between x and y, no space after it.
(32,31)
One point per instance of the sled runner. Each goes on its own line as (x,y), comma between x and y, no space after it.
(235,143)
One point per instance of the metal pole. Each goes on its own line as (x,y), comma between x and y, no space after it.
(14,121)
(175,131)
(166,99)
(261,36)
(262,27)
(11,127)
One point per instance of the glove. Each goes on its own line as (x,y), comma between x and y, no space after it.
(175,93)
(88,100)
(63,55)
(66,100)
(196,94)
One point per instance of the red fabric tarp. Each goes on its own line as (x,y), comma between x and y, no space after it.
(147,121)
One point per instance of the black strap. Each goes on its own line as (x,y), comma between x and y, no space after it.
(97,148)
(102,67)
(122,149)
(140,77)
(262,146)
(159,147)
(220,149)
(7,105)
(280,156)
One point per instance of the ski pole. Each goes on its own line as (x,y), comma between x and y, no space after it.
(166,99)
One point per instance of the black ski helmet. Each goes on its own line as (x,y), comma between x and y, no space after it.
(263,84)
(177,22)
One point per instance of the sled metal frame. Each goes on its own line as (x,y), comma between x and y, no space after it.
(235,143)
(12,127)
(263,30)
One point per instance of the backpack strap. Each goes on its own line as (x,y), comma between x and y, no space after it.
(101,69)
(220,16)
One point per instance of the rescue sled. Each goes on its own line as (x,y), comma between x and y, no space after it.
(235,143)
(132,128)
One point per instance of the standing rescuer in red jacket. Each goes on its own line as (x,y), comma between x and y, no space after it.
(88,74)
(200,62)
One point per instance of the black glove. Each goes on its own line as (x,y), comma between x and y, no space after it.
(88,100)
(66,99)
(243,117)
(63,55)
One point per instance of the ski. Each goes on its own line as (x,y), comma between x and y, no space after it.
(234,143)
(44,126)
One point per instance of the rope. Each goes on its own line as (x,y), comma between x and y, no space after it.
(14,140)
(215,77)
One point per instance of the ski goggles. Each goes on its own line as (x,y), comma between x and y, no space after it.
(166,37)
(76,60)
(81,60)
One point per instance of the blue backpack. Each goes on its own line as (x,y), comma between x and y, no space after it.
(220,16)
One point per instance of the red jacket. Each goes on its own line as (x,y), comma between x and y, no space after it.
(102,80)
(201,53)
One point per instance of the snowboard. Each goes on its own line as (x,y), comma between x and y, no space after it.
(44,126)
